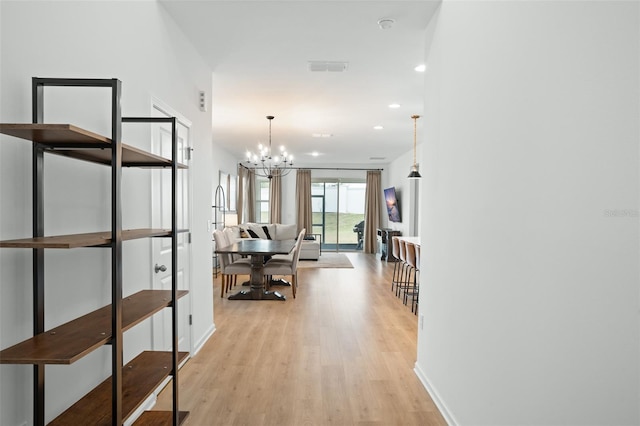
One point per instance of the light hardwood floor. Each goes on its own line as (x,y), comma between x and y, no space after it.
(341,353)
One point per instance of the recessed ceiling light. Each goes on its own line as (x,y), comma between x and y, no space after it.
(394,105)
(421,68)
(321,135)
(378,127)
(314,154)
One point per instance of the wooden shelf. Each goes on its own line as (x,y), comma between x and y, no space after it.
(74,142)
(92,239)
(140,378)
(69,342)
(160,418)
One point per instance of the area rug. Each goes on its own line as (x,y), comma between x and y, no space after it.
(327,260)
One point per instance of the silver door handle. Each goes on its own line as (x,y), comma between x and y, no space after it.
(159,268)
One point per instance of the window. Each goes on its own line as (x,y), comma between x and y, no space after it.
(262,200)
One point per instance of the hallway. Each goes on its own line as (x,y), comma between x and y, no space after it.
(341,353)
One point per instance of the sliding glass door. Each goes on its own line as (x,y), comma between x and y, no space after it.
(338,213)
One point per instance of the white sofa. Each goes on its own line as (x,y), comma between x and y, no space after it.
(309,250)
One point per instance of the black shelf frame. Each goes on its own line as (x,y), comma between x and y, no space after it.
(116,343)
(38,85)
(174,251)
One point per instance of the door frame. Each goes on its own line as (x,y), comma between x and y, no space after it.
(338,181)
(158,105)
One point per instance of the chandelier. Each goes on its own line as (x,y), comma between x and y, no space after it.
(414,169)
(267,164)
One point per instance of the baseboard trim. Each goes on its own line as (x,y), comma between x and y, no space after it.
(200,343)
(446,413)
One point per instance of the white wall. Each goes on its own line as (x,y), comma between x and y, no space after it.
(224,162)
(530,213)
(137,43)
(407,192)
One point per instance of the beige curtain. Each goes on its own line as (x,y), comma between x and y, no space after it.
(275,197)
(249,208)
(240,191)
(372,207)
(303,200)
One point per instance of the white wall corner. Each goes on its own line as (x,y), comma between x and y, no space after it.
(200,343)
(435,397)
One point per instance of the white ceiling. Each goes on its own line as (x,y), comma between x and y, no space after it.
(259,53)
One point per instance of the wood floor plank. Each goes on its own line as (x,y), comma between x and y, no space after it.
(341,353)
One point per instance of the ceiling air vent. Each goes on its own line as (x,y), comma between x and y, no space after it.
(377,158)
(327,66)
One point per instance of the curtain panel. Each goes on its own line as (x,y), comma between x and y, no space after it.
(240,192)
(373,201)
(303,200)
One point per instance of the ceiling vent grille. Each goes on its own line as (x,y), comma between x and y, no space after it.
(327,66)
(377,158)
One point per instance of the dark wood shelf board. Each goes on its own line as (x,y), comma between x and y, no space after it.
(71,141)
(53,134)
(71,341)
(140,378)
(92,239)
(160,418)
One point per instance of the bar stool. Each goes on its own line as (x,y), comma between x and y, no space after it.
(405,273)
(401,260)
(397,267)
(414,292)
(410,286)
(415,299)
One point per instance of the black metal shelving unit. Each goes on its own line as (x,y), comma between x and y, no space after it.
(73,142)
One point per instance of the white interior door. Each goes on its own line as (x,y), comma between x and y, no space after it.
(161,218)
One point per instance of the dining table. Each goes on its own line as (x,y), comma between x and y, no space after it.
(257,250)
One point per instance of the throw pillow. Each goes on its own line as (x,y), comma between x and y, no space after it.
(252,234)
(286,232)
(256,231)
(265,228)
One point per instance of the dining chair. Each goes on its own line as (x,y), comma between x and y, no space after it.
(231,238)
(230,269)
(284,266)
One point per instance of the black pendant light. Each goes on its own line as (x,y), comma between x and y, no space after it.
(414,169)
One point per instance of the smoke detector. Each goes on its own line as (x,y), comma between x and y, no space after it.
(386,23)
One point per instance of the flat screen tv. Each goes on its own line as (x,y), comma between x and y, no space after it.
(393,209)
